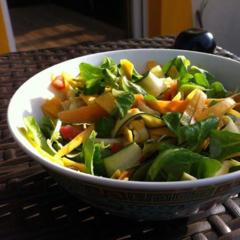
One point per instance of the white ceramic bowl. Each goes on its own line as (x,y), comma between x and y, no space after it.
(147,200)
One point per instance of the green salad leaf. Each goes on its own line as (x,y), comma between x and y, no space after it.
(188,87)
(149,97)
(202,77)
(170,165)
(136,76)
(97,78)
(99,154)
(181,64)
(192,77)
(190,136)
(93,154)
(129,86)
(110,71)
(104,126)
(201,80)
(35,134)
(110,79)
(93,78)
(141,171)
(194,135)
(124,102)
(213,88)
(172,120)
(90,72)
(47,126)
(88,152)
(217,90)
(224,144)
(109,64)
(209,77)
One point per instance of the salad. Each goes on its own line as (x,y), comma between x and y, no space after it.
(172,122)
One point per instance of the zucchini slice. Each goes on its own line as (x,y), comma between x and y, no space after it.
(132,114)
(153,84)
(150,120)
(125,159)
(157,71)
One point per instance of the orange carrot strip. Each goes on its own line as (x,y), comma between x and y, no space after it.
(138,98)
(85,114)
(168,106)
(151,64)
(124,175)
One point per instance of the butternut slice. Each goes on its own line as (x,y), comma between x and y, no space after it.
(52,107)
(85,114)
(106,101)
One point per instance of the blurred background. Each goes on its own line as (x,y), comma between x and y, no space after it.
(36,24)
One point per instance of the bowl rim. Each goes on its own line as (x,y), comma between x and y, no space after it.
(108,182)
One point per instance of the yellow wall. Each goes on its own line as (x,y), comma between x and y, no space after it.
(168,17)
(4,41)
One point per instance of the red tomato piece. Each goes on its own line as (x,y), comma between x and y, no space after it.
(58,83)
(115,147)
(170,92)
(68,132)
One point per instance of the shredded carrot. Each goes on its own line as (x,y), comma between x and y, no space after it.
(124,175)
(74,165)
(234,113)
(168,106)
(75,142)
(116,174)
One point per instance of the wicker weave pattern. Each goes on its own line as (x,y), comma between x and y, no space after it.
(33,206)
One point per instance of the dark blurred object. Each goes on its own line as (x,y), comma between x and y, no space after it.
(196,39)
(112,12)
(200,11)
(24,3)
(115,13)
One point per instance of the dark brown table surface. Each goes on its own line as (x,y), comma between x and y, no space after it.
(34,206)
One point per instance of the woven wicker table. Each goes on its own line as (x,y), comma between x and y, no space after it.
(34,206)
